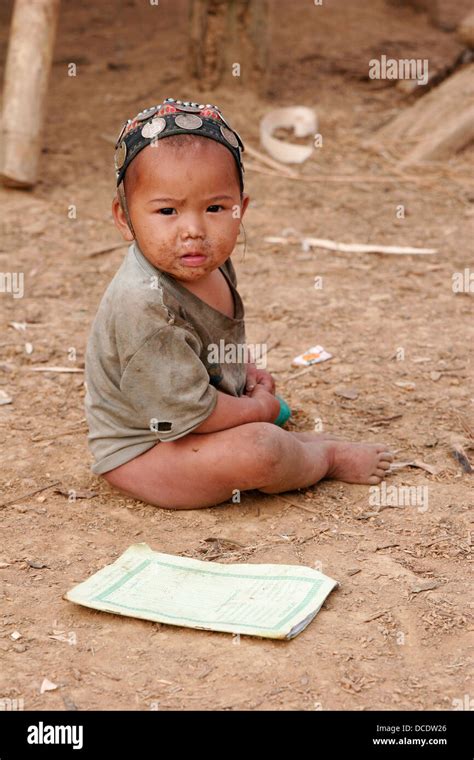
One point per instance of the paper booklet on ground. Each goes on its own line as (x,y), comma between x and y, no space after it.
(274,601)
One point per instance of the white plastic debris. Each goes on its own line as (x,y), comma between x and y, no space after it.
(304,122)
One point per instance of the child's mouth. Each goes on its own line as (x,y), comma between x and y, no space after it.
(193,259)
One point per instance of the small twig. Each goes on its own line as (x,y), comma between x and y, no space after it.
(377,615)
(270,172)
(56,369)
(298,374)
(59,435)
(332,245)
(108,249)
(280,168)
(29,493)
(299,506)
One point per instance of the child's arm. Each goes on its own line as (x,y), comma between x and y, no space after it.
(231,411)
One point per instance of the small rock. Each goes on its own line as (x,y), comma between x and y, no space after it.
(424,586)
(406,385)
(47,686)
(36,563)
(350,393)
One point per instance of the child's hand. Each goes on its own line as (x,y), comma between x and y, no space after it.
(258,377)
(267,401)
(266,379)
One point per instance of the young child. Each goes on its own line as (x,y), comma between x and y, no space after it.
(166,425)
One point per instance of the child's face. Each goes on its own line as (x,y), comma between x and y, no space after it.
(183,200)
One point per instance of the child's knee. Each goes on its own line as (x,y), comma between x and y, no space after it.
(266,447)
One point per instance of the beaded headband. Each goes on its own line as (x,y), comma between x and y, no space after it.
(175,117)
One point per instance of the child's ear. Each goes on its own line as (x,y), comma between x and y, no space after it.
(120,220)
(244,204)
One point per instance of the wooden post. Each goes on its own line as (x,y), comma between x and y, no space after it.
(445,14)
(29,58)
(437,126)
(229,42)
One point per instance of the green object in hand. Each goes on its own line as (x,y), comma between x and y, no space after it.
(285,413)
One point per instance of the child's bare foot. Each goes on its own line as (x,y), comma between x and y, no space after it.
(365,463)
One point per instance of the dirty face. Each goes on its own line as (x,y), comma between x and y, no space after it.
(185,205)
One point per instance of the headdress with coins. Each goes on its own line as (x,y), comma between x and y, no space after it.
(172,117)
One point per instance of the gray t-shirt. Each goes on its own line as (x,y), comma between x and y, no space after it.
(150,369)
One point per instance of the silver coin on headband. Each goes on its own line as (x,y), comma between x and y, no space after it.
(154,127)
(188,109)
(188,121)
(146,114)
(120,156)
(230,137)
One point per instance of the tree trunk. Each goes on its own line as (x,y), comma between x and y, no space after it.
(229,42)
(29,58)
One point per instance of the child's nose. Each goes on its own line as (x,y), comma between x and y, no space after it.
(192,225)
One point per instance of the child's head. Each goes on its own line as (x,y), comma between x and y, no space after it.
(180,191)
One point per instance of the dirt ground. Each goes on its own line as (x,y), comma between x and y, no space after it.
(384,639)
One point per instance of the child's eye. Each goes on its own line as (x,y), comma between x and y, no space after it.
(165,211)
(213,209)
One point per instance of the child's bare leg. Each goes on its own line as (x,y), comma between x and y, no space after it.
(309,435)
(202,470)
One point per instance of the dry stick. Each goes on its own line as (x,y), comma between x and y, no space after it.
(270,162)
(377,615)
(299,506)
(298,374)
(268,172)
(56,369)
(333,178)
(109,249)
(59,435)
(29,493)
(331,245)
(339,178)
